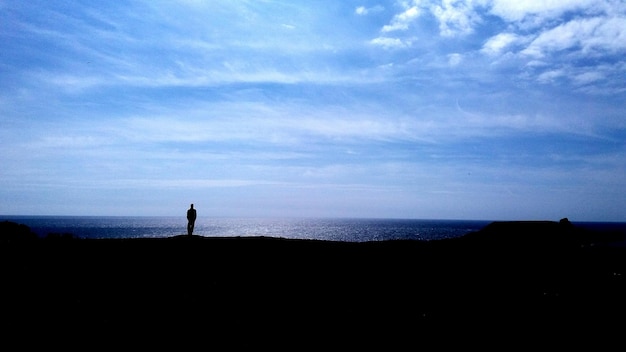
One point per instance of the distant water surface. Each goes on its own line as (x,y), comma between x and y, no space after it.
(347,230)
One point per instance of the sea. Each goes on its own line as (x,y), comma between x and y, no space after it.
(330,229)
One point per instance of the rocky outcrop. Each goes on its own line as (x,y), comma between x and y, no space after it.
(13,232)
(538,234)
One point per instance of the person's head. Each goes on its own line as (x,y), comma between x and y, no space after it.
(191,205)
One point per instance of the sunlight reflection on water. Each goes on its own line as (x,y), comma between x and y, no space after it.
(350,230)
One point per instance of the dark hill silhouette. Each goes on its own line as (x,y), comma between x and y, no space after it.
(11,232)
(558,279)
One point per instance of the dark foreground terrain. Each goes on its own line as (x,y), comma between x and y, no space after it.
(511,284)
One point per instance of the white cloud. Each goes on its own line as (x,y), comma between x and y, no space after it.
(550,76)
(609,34)
(461,17)
(593,79)
(363,11)
(389,43)
(588,77)
(455,59)
(402,21)
(537,11)
(586,35)
(455,17)
(496,44)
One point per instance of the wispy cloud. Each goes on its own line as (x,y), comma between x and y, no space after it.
(364,11)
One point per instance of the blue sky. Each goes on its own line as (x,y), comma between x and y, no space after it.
(486,109)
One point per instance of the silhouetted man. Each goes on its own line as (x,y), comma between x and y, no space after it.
(191,220)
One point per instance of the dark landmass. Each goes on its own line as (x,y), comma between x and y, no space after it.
(519,282)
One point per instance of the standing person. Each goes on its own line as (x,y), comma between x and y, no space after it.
(191,219)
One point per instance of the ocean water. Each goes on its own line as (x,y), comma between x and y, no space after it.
(347,230)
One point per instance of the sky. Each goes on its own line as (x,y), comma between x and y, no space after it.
(422,109)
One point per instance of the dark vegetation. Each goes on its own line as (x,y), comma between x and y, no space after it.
(519,282)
